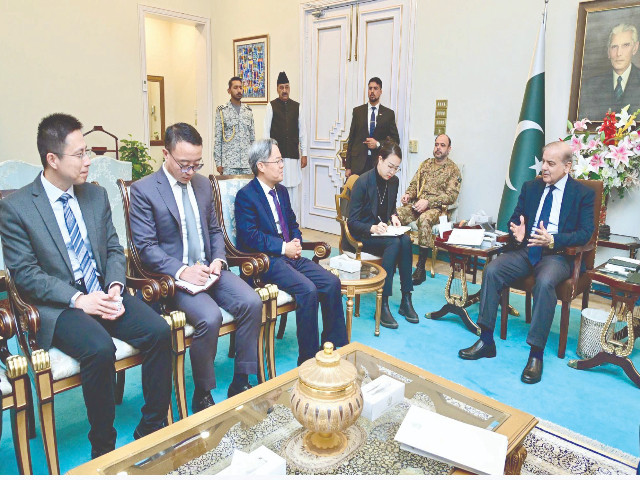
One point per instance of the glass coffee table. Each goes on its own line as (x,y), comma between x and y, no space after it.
(204,442)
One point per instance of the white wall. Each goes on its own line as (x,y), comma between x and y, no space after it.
(83,57)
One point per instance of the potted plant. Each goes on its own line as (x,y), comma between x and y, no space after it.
(138,154)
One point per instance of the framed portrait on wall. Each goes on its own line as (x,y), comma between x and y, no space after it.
(251,63)
(606,63)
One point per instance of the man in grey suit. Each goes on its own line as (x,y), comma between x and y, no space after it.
(62,250)
(176,232)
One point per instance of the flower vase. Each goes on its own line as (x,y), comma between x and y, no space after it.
(604,230)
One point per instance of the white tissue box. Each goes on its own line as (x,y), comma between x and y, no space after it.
(344,263)
(382,393)
(261,461)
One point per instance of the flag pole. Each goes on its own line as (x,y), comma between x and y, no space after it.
(544,15)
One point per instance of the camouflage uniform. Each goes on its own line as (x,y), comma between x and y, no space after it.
(440,185)
(232,151)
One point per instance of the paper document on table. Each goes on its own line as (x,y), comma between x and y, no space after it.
(442,438)
(193,288)
(392,231)
(466,236)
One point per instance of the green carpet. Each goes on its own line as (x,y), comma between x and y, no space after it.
(601,404)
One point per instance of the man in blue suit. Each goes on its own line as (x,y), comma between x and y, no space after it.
(553,212)
(266,223)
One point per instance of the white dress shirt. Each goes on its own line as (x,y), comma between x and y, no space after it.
(292,167)
(54,194)
(274,212)
(625,78)
(554,216)
(177,194)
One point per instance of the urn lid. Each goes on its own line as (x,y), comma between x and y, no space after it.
(327,371)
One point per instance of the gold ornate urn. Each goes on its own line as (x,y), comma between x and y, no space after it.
(326,400)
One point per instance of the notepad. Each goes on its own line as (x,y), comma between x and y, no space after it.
(392,231)
(466,236)
(447,440)
(193,288)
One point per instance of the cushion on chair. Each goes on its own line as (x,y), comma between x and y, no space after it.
(283,298)
(226,318)
(5,385)
(367,257)
(63,366)
(228,192)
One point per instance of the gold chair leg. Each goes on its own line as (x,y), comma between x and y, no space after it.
(357,312)
(20,424)
(170,414)
(434,257)
(44,387)
(179,385)
(261,349)
(271,351)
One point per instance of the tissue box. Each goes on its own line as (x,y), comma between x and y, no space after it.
(344,263)
(261,461)
(382,393)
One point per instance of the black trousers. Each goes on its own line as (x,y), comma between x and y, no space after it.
(394,251)
(88,339)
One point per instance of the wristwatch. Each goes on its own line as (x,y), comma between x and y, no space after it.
(552,243)
(377,144)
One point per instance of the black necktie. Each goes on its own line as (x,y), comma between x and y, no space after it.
(618,91)
(535,253)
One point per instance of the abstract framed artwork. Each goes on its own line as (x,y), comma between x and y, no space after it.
(251,63)
(606,66)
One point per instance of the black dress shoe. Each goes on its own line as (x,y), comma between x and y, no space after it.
(199,402)
(235,389)
(386,318)
(478,350)
(143,429)
(407,310)
(419,274)
(532,373)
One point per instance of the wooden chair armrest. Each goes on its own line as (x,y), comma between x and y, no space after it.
(579,249)
(320,250)
(150,288)
(357,245)
(6,324)
(248,263)
(27,318)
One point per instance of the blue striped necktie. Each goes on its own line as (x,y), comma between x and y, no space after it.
(88,272)
(372,121)
(535,253)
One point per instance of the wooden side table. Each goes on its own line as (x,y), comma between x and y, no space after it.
(370,278)
(460,259)
(624,296)
(621,242)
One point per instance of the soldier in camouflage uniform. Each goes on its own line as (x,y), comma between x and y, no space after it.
(435,185)
(234,133)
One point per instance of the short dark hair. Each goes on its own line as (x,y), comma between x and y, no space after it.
(234,79)
(389,147)
(448,137)
(181,132)
(52,134)
(376,80)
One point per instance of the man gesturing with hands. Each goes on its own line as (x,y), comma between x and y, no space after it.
(553,212)
(266,223)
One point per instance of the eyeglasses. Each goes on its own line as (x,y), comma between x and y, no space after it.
(88,152)
(279,161)
(393,168)
(189,168)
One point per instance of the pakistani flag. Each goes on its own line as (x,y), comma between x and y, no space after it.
(527,147)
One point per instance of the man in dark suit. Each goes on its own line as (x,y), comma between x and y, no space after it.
(266,223)
(371,124)
(62,249)
(553,212)
(176,232)
(619,87)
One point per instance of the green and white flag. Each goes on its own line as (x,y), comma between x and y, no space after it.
(526,156)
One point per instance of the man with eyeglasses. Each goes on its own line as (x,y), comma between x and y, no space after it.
(176,231)
(63,252)
(434,187)
(266,223)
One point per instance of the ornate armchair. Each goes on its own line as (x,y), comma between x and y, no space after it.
(225,188)
(16,391)
(578,283)
(183,332)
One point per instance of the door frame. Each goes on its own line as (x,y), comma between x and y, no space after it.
(204,72)
(404,88)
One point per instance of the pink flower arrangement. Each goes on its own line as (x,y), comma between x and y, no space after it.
(610,154)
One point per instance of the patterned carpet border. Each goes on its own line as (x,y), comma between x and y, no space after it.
(555,450)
